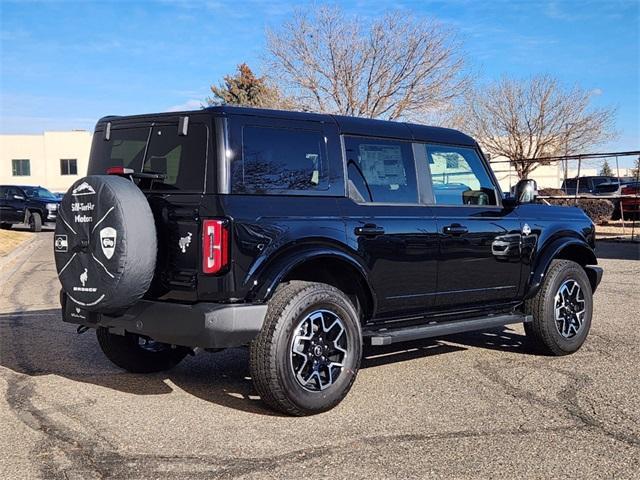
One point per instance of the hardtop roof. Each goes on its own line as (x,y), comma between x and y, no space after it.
(345,124)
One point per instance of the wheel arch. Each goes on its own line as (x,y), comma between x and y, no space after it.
(573,249)
(324,265)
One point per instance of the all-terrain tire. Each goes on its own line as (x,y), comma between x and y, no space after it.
(35,222)
(544,332)
(126,352)
(271,362)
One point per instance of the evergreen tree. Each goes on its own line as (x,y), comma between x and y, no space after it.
(247,90)
(606,169)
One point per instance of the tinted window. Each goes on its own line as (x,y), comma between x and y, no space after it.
(459,177)
(39,192)
(280,160)
(181,158)
(124,149)
(380,170)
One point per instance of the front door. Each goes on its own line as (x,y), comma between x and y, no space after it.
(393,233)
(479,260)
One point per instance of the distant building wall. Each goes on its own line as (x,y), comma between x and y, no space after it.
(547,176)
(45,152)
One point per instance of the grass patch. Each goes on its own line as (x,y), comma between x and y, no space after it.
(10,239)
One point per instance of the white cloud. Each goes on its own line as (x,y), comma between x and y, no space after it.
(596,92)
(192,104)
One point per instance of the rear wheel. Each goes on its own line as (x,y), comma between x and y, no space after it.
(137,354)
(561,309)
(35,222)
(306,357)
(5,226)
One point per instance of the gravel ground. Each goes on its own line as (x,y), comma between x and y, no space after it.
(468,406)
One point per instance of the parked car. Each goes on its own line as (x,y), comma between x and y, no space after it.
(631,206)
(585,185)
(33,205)
(305,236)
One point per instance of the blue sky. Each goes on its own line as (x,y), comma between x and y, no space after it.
(64,64)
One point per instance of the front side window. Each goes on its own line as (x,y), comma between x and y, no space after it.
(280,160)
(39,192)
(68,166)
(21,168)
(380,171)
(459,177)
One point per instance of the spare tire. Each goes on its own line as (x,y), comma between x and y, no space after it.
(105,243)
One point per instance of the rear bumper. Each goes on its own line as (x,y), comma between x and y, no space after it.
(206,325)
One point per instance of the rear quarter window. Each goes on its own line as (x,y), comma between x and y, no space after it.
(280,160)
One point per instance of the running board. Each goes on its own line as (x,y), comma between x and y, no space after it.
(389,336)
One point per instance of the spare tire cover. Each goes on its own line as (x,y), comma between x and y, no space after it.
(105,243)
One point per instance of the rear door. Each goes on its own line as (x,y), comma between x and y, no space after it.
(392,231)
(160,147)
(479,258)
(15,203)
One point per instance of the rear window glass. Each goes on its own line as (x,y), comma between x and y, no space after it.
(278,160)
(181,158)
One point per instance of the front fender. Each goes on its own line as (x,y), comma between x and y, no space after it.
(571,248)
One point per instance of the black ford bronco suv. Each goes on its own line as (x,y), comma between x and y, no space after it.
(305,236)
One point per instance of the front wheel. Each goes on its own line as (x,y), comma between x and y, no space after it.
(35,222)
(306,358)
(137,354)
(561,309)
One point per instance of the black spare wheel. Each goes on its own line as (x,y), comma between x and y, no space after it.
(105,243)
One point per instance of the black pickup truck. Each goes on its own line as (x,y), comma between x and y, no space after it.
(305,236)
(33,205)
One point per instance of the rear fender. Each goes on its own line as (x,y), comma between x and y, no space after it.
(271,275)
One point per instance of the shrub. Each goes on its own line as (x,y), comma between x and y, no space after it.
(599,210)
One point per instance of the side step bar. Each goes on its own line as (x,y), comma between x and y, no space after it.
(389,336)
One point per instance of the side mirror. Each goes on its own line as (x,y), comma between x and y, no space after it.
(526,191)
(18,197)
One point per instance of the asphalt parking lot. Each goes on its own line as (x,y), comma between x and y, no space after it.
(477,405)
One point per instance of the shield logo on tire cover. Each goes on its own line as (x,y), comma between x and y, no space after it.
(108,241)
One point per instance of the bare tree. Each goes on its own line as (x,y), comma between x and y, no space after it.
(391,68)
(527,120)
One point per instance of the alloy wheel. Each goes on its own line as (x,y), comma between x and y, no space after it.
(569,309)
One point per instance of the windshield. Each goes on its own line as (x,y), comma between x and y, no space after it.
(39,192)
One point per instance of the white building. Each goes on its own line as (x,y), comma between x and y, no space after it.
(53,160)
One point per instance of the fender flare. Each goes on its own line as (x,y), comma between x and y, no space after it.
(272,274)
(553,251)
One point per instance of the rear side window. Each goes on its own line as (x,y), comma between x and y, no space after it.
(280,160)
(380,171)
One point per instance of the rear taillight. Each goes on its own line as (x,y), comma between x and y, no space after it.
(215,245)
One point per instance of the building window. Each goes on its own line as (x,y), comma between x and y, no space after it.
(68,166)
(21,168)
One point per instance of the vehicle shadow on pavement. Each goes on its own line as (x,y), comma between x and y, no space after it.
(37,343)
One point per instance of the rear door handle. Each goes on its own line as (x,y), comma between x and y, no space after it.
(369,230)
(455,229)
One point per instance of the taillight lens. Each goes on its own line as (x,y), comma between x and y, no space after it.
(215,245)
(119,171)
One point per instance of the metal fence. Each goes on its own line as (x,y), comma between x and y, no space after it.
(581,169)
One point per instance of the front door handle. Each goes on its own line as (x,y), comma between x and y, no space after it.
(455,229)
(369,230)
